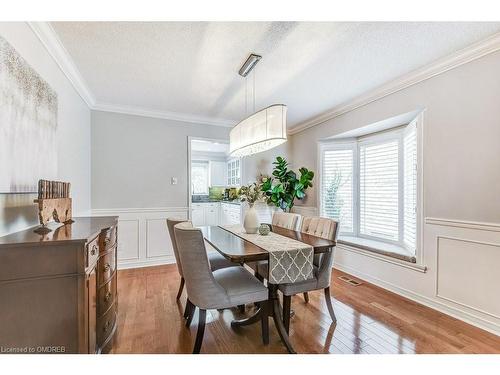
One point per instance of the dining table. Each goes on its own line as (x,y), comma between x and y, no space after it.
(242,251)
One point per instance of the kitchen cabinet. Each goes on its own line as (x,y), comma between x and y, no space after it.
(217,173)
(215,213)
(198,214)
(230,214)
(212,214)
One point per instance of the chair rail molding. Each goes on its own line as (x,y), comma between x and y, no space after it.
(440,66)
(143,240)
(492,227)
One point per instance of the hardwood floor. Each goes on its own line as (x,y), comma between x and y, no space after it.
(370,320)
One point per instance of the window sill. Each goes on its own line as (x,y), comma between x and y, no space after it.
(382,251)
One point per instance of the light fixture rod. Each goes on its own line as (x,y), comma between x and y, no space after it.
(247,67)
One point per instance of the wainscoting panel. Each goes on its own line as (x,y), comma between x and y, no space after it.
(143,234)
(158,239)
(128,240)
(477,287)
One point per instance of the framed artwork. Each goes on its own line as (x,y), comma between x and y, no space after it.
(28,124)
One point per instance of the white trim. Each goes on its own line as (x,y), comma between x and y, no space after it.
(174,116)
(489,227)
(464,56)
(112,211)
(437,273)
(426,301)
(52,43)
(384,258)
(123,265)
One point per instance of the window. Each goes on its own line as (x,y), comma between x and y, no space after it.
(369,184)
(199,177)
(233,172)
(337,186)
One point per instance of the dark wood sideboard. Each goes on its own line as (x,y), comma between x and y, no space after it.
(58,291)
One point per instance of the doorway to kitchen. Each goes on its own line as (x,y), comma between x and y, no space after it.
(214,180)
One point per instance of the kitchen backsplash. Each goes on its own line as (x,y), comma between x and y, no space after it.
(216,192)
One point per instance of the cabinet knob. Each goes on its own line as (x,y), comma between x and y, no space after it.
(107,267)
(108,296)
(94,250)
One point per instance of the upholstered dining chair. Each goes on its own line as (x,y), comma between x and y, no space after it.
(286,220)
(322,263)
(322,268)
(216,260)
(219,289)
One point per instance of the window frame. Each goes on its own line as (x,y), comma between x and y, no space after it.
(355,143)
(200,162)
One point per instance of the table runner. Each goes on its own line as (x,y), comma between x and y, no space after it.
(290,260)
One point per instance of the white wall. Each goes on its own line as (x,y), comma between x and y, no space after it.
(17,211)
(461,176)
(133,160)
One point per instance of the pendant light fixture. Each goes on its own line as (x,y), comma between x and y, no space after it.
(261,131)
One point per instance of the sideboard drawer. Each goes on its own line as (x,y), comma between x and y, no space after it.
(106,296)
(92,252)
(107,239)
(105,325)
(106,266)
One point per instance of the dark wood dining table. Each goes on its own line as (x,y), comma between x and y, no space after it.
(241,251)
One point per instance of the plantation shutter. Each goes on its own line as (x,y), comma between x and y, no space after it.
(410,186)
(378,187)
(337,185)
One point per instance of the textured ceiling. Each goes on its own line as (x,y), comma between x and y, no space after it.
(191,67)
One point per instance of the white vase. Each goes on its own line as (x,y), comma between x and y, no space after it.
(251,221)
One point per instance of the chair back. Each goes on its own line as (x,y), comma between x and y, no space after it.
(320,227)
(202,288)
(327,229)
(170,226)
(286,220)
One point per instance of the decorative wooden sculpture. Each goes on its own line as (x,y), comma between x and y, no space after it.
(53,203)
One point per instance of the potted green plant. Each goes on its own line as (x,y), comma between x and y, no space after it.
(251,193)
(284,186)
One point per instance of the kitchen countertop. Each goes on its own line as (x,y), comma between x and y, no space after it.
(235,202)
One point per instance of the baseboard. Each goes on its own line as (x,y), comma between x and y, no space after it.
(426,301)
(123,265)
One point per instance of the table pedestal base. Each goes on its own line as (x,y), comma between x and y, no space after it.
(274,309)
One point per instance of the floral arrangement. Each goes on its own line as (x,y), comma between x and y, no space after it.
(251,193)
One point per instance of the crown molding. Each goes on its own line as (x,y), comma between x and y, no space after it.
(175,116)
(52,43)
(464,56)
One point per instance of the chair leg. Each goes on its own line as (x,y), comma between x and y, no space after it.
(328,300)
(181,287)
(191,310)
(306,297)
(264,316)
(201,331)
(286,312)
(258,276)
